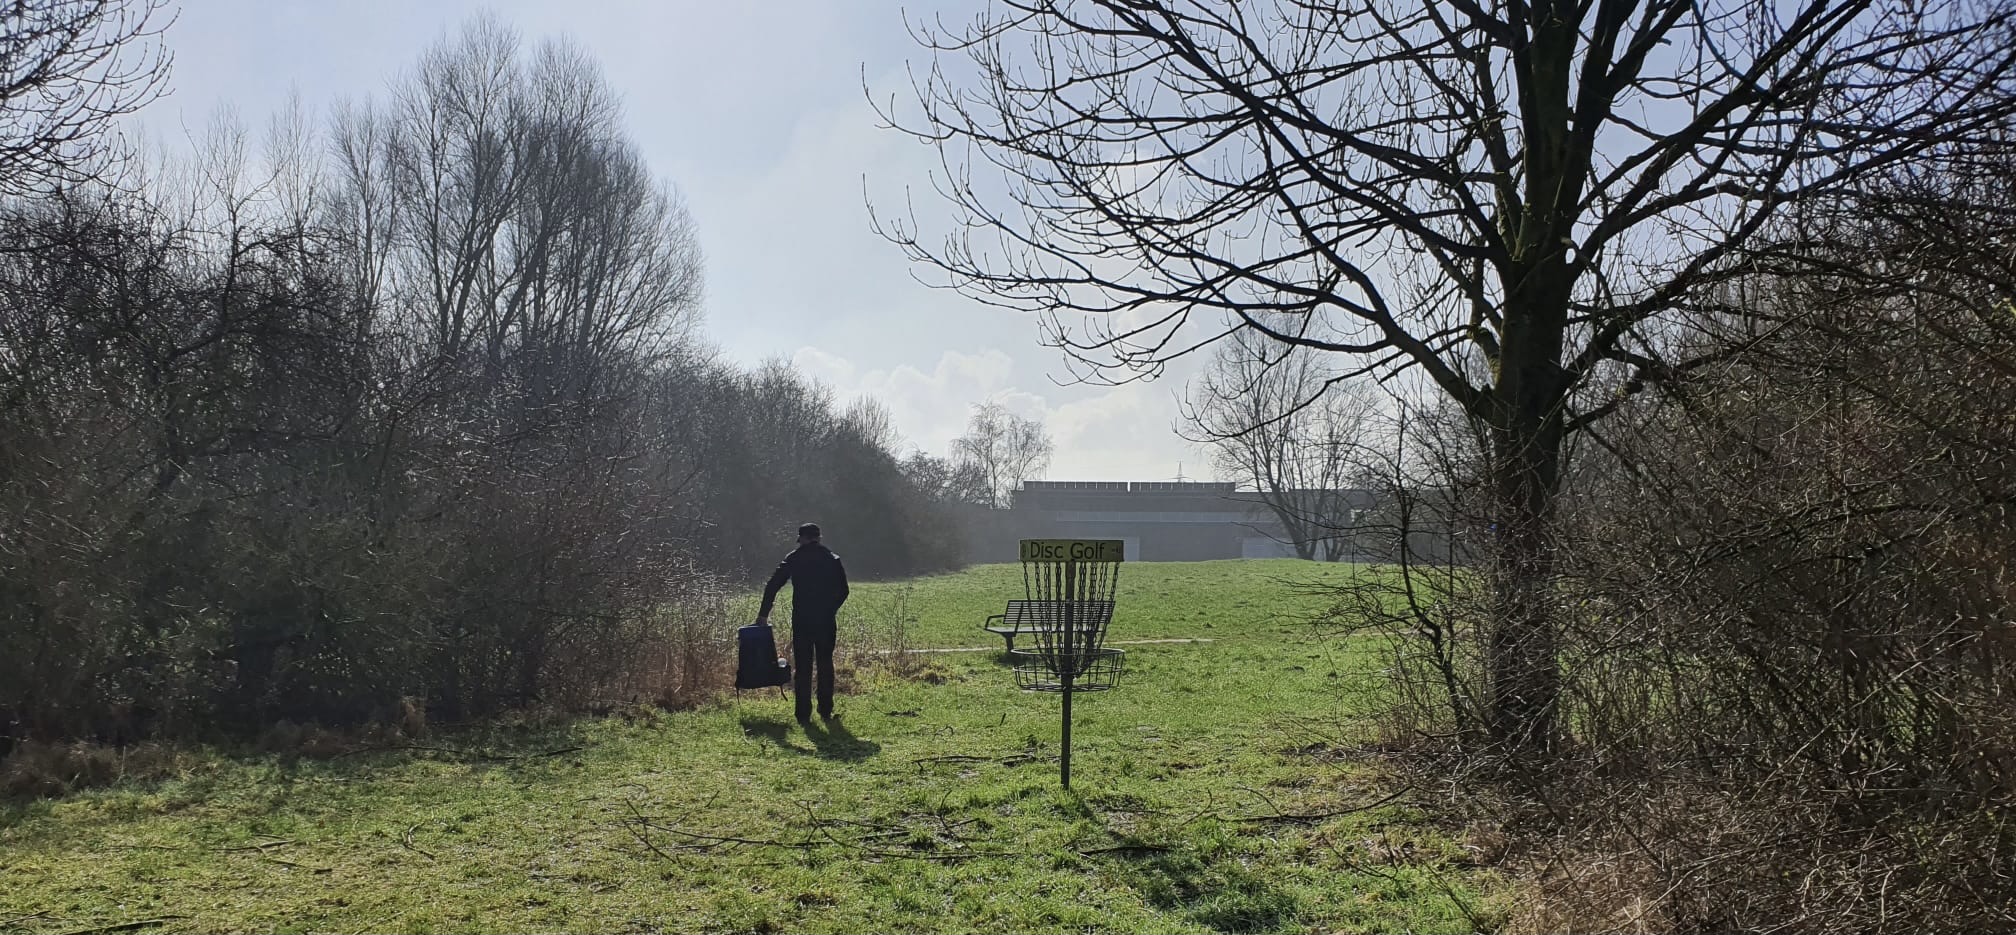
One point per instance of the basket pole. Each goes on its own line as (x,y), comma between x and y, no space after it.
(1066,671)
(1064,764)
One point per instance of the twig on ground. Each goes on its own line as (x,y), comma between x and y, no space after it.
(644,823)
(636,831)
(259,846)
(717,840)
(1477,922)
(1126,848)
(124,926)
(471,754)
(955,855)
(33,915)
(875,831)
(1013,759)
(406,841)
(1313,817)
(289,863)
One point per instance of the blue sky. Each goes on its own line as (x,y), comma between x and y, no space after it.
(755,112)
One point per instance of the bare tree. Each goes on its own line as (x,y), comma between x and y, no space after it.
(945,481)
(1001,449)
(1275,424)
(514,231)
(1508,197)
(873,422)
(68,70)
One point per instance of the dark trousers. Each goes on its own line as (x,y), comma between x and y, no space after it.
(812,643)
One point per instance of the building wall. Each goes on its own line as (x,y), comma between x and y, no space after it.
(1160,521)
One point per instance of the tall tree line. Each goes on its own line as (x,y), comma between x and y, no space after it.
(405,409)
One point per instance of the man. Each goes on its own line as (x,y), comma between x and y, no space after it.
(818,588)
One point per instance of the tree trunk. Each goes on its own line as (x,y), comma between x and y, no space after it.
(1526,431)
(1525,675)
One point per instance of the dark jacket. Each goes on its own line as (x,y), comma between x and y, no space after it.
(818,584)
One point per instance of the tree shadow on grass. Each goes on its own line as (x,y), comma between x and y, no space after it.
(1220,895)
(1208,885)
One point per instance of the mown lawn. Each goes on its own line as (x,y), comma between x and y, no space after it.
(1206,796)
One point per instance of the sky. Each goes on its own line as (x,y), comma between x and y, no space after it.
(756,113)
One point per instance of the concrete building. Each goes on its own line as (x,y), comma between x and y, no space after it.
(1160,521)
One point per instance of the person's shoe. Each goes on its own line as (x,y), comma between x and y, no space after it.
(828,716)
(805,720)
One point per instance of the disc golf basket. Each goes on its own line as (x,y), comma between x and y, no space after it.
(1069,584)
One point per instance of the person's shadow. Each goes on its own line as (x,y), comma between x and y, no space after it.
(830,739)
(835,742)
(774,730)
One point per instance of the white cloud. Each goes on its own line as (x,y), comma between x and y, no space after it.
(1121,433)
(1108,433)
(930,408)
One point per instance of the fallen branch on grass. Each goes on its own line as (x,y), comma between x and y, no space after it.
(289,863)
(1013,759)
(720,840)
(123,926)
(470,754)
(406,841)
(1311,818)
(706,842)
(873,831)
(236,848)
(1125,848)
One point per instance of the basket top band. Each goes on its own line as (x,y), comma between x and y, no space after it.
(1074,550)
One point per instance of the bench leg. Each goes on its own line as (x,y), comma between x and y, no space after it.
(1010,637)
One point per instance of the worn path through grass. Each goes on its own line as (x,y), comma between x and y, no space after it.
(1206,796)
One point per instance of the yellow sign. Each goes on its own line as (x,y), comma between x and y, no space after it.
(1073,550)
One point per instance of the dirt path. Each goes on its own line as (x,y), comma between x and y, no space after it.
(993,649)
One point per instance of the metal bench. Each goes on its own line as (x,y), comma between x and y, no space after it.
(1031,617)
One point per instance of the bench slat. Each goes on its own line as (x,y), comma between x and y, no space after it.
(1027,616)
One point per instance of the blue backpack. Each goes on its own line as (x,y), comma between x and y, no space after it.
(757,664)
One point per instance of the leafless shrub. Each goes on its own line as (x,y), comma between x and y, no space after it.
(1784,645)
(682,653)
(1420,599)
(876,634)
(1785,649)
(37,769)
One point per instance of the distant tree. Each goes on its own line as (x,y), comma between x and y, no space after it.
(868,418)
(1275,423)
(1003,450)
(946,481)
(68,70)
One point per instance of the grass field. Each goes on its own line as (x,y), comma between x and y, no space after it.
(1207,796)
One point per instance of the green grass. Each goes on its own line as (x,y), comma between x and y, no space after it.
(932,805)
